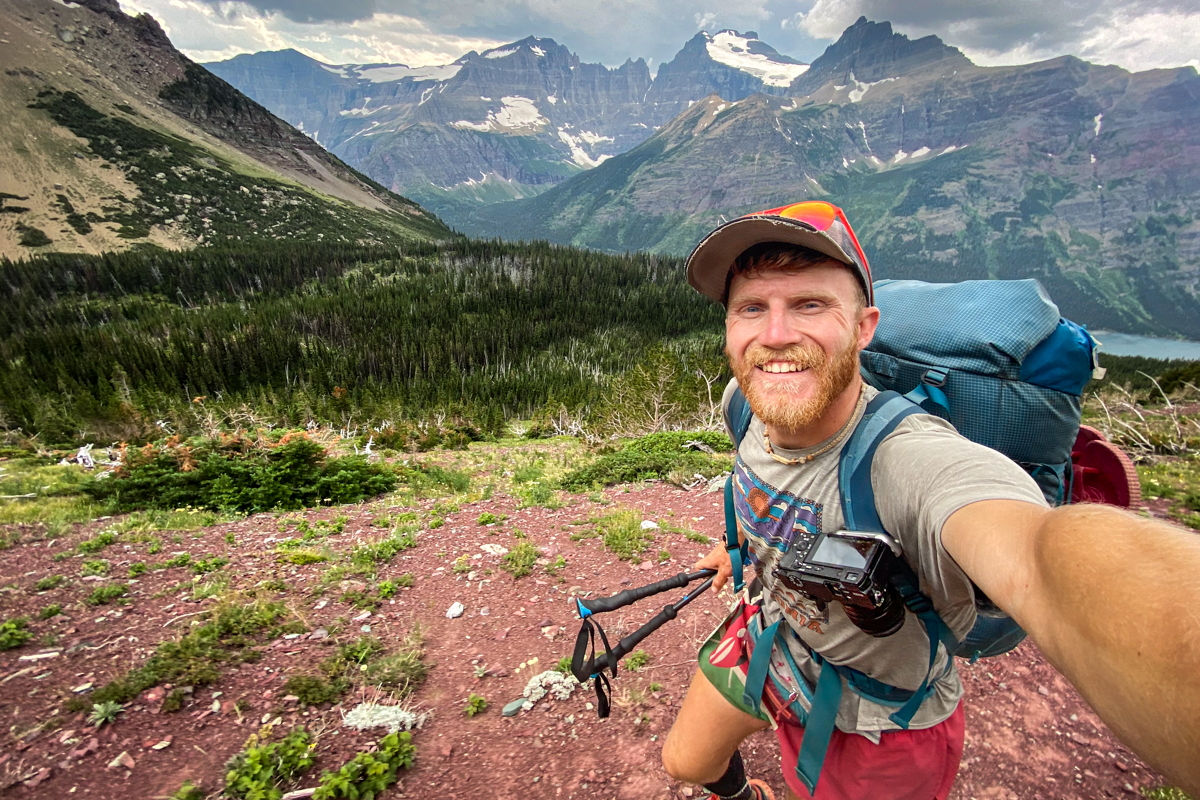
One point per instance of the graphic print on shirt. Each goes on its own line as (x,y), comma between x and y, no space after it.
(771,520)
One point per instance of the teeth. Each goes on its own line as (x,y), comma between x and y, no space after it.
(780,366)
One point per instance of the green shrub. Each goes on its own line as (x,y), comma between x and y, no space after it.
(188,791)
(137,569)
(1164,793)
(13,633)
(292,476)
(52,610)
(103,595)
(96,566)
(476,704)
(519,561)
(655,456)
(462,564)
(387,589)
(557,566)
(406,581)
(181,560)
(367,775)
(258,771)
(488,518)
(49,582)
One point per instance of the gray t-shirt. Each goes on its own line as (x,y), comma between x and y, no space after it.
(922,473)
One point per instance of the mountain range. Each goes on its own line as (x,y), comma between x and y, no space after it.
(110,138)
(507,123)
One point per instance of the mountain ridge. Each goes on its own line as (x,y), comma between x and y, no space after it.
(109,137)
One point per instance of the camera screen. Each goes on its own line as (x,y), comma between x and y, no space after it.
(841,553)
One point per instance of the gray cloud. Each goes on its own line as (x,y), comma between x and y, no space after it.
(992,28)
(1137,34)
(306,11)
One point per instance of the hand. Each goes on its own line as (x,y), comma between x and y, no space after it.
(718,559)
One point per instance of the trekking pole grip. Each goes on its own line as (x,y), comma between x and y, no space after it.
(630,596)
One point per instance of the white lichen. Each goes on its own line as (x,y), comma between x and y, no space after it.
(373,715)
(557,684)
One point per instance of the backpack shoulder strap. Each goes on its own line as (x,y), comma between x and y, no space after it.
(881,417)
(739,416)
(739,422)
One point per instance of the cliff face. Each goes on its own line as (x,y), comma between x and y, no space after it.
(1083,176)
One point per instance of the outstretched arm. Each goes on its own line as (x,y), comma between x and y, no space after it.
(1113,601)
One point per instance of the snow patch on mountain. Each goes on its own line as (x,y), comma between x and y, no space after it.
(501,53)
(733,50)
(578,154)
(387,73)
(515,112)
(860,88)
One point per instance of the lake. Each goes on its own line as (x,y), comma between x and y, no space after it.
(1127,344)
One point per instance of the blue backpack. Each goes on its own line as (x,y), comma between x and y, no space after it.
(996,360)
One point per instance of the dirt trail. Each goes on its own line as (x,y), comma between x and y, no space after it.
(1029,735)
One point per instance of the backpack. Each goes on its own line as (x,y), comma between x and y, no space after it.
(996,360)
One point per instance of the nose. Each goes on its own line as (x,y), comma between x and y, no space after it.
(779,331)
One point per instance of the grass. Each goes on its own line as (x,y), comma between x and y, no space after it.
(1177,481)
(98,567)
(520,560)
(59,499)
(93,546)
(196,658)
(1165,793)
(49,582)
(622,534)
(103,595)
(314,690)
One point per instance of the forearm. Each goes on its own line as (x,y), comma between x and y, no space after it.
(1113,601)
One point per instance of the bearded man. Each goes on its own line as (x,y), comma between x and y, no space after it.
(1110,598)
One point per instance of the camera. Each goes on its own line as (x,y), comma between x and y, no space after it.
(852,567)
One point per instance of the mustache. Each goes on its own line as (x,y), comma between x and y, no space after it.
(806,357)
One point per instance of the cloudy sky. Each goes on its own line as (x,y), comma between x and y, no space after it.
(1136,34)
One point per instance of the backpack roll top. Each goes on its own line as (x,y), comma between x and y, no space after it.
(995,359)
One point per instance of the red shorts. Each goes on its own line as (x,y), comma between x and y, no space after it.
(905,765)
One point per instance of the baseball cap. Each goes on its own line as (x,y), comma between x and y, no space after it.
(814,224)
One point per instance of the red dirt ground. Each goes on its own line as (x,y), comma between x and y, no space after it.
(1029,735)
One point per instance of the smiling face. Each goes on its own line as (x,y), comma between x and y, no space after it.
(793,337)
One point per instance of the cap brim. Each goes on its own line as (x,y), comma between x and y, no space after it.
(708,265)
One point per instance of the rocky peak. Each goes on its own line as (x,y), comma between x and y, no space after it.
(731,64)
(871,51)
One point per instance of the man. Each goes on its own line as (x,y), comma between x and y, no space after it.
(1112,599)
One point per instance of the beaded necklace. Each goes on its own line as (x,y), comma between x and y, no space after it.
(834,442)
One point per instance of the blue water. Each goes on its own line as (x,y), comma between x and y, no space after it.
(1126,344)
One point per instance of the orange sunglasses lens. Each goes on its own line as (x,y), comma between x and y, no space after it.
(819,215)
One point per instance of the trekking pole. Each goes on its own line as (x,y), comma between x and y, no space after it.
(631,641)
(584,666)
(630,596)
